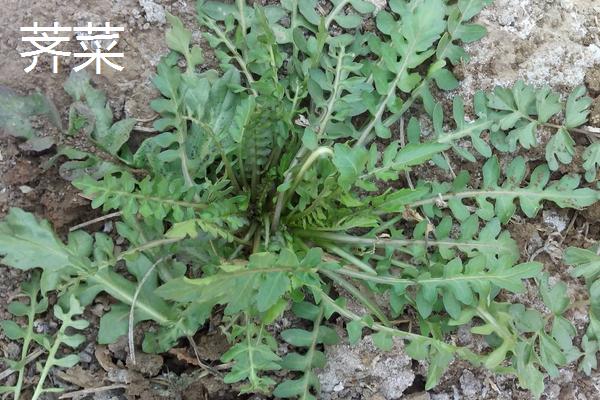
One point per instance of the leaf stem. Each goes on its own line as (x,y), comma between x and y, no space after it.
(138,289)
(39,389)
(181,139)
(352,259)
(323,121)
(236,55)
(187,204)
(310,353)
(461,351)
(26,341)
(383,104)
(395,263)
(496,193)
(395,243)
(380,110)
(386,280)
(314,156)
(479,125)
(146,246)
(339,7)
(217,143)
(325,117)
(283,198)
(357,294)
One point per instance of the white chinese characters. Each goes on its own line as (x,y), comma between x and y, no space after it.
(96,43)
(45,44)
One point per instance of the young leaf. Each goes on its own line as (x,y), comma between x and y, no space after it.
(586,262)
(13,331)
(350,164)
(260,282)
(253,354)
(27,243)
(178,38)
(91,105)
(311,359)
(591,163)
(565,192)
(555,298)
(560,149)
(577,108)
(15,114)
(62,338)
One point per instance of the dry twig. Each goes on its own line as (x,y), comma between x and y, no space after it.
(84,392)
(93,221)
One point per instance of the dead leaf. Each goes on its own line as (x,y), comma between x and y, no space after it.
(103,356)
(80,377)
(148,364)
(182,355)
(195,391)
(115,374)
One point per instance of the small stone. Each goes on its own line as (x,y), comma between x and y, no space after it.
(108,227)
(85,357)
(379,4)
(594,119)
(470,385)
(41,326)
(552,391)
(339,387)
(350,367)
(154,12)
(592,80)
(86,354)
(148,364)
(13,350)
(555,220)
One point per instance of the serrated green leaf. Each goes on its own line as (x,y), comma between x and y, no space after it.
(555,297)
(271,289)
(12,330)
(27,243)
(178,38)
(354,329)
(591,163)
(526,320)
(383,341)
(560,149)
(439,361)
(589,361)
(445,79)
(350,163)
(577,108)
(252,356)
(16,111)
(587,263)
